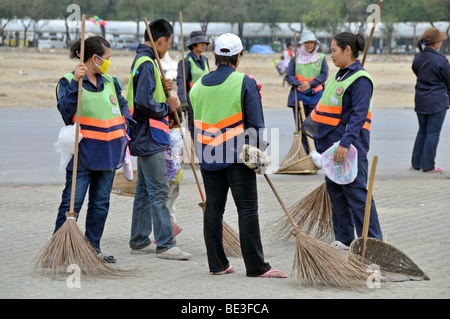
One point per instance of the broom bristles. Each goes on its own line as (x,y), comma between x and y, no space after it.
(231,243)
(69,246)
(313,212)
(296,151)
(319,264)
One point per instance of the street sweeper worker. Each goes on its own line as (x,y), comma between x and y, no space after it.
(149,139)
(307,72)
(344,115)
(103,120)
(196,65)
(431,98)
(225,122)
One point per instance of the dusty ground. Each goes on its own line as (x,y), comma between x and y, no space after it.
(28,77)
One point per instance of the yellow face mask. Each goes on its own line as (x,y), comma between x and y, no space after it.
(105,66)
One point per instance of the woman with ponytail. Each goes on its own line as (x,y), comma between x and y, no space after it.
(431,98)
(104,117)
(343,115)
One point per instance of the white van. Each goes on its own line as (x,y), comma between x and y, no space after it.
(50,42)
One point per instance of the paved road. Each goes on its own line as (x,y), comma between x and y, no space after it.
(27,156)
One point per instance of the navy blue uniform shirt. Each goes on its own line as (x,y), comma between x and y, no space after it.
(200,62)
(355,106)
(433,81)
(145,106)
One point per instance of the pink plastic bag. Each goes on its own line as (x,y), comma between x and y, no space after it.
(340,173)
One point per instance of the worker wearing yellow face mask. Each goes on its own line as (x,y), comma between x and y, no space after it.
(104,117)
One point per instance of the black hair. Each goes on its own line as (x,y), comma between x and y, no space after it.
(92,45)
(356,42)
(180,116)
(159,28)
(227,60)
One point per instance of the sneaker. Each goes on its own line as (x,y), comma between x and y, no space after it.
(435,170)
(337,244)
(174,253)
(146,250)
(106,258)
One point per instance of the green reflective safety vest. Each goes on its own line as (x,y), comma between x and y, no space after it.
(327,114)
(218,121)
(308,72)
(102,127)
(159,127)
(196,71)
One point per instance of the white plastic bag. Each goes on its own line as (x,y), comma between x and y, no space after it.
(340,173)
(317,158)
(65,145)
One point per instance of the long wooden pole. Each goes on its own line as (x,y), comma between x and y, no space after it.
(77,125)
(380,4)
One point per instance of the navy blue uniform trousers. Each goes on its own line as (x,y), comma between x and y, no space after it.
(349,203)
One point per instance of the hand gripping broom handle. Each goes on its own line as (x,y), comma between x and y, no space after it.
(168,94)
(77,125)
(368,204)
(380,4)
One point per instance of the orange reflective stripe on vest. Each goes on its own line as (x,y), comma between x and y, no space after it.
(102,136)
(301,78)
(214,128)
(158,124)
(223,136)
(324,119)
(100,123)
(328,108)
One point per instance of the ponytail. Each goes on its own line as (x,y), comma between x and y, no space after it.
(93,45)
(356,42)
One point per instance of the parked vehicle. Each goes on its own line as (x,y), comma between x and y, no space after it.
(124,43)
(50,42)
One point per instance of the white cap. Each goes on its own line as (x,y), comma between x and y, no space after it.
(228,41)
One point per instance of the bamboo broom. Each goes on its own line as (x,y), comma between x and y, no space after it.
(230,237)
(319,264)
(316,208)
(297,151)
(68,245)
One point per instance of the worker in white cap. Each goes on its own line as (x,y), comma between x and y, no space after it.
(307,73)
(226,118)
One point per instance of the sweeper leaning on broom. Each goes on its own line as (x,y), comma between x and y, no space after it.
(103,120)
(343,115)
(224,103)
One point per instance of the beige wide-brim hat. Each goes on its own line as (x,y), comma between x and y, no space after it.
(433,35)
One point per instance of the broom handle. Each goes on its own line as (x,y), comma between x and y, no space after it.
(185,96)
(302,110)
(368,204)
(175,112)
(77,125)
(295,88)
(380,4)
(291,219)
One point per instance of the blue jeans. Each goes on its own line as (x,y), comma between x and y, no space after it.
(100,185)
(427,139)
(349,202)
(242,182)
(149,208)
